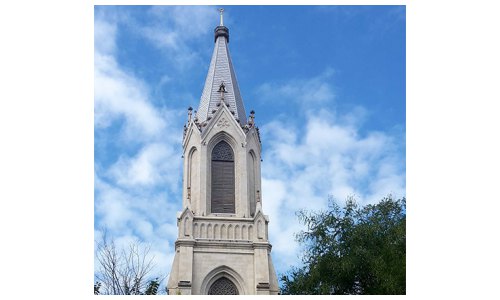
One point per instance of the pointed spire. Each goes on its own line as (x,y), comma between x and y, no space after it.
(221,72)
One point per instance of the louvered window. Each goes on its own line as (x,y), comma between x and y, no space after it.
(222,179)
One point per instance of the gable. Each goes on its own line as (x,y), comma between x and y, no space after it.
(252,139)
(223,120)
(191,130)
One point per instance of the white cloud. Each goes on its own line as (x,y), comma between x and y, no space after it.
(325,154)
(118,94)
(304,92)
(145,229)
(121,95)
(130,216)
(161,38)
(173,29)
(154,164)
(276,203)
(104,33)
(190,21)
(133,190)
(111,205)
(331,154)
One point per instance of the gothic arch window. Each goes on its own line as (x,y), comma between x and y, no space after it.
(223,286)
(251,181)
(223,187)
(193,179)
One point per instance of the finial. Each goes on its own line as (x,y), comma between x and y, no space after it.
(221,10)
(221,30)
(259,203)
(190,111)
(252,117)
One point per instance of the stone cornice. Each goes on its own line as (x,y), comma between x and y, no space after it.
(223,218)
(261,245)
(185,242)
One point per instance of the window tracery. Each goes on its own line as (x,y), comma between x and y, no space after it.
(223,152)
(223,286)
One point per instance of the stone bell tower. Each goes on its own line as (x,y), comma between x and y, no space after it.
(223,245)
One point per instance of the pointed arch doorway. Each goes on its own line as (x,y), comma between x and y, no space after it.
(223,281)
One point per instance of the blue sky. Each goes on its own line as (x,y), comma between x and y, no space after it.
(307,71)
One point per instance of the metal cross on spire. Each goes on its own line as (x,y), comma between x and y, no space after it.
(221,10)
(222,90)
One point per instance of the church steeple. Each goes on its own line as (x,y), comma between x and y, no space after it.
(223,243)
(221,71)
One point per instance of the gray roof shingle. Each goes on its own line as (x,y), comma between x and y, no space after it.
(221,71)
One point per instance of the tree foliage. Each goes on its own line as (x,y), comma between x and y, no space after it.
(125,272)
(352,250)
(152,288)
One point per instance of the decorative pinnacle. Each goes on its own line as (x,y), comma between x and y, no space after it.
(252,117)
(190,111)
(221,10)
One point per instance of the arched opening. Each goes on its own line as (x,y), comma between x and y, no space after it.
(193,178)
(233,286)
(222,197)
(223,286)
(251,182)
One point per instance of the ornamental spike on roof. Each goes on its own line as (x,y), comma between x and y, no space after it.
(221,71)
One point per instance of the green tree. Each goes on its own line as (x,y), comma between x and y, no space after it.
(152,288)
(352,250)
